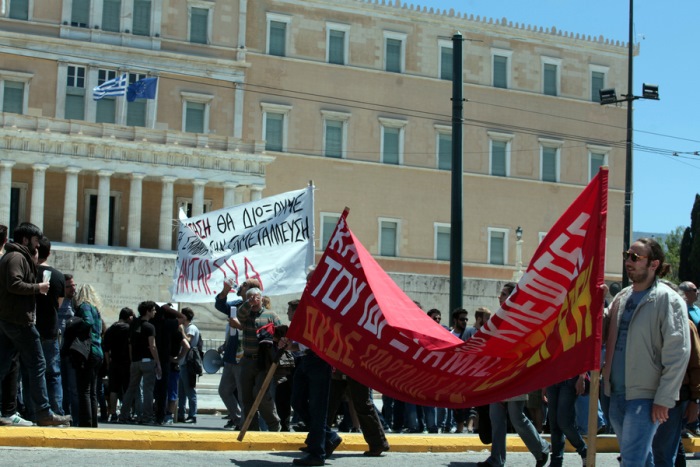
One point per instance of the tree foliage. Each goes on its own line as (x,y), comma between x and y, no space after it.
(689,266)
(672,249)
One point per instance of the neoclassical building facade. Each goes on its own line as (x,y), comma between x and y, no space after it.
(256,98)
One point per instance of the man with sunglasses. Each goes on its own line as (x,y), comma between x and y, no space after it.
(690,292)
(648,350)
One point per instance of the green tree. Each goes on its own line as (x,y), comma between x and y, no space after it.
(684,264)
(690,257)
(672,250)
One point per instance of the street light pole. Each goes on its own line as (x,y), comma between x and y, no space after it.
(627,234)
(456,272)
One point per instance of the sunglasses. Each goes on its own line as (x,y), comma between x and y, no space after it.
(632,255)
(462,319)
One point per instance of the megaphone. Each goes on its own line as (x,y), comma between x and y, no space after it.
(212,361)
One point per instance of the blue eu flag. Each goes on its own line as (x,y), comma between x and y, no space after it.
(143,89)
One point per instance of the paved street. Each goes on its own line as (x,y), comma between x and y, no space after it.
(111,458)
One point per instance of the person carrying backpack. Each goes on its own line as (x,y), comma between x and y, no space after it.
(190,369)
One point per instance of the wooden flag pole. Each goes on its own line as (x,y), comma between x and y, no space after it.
(261,394)
(593,417)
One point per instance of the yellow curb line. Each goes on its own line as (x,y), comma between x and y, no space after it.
(101,438)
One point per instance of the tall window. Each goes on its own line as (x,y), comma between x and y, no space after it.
(394,52)
(13,97)
(80,13)
(501,68)
(550,76)
(337,43)
(92,219)
(446,57)
(106,108)
(75,93)
(388,237)
(136,111)
(275,126)
(195,112)
(598,76)
(19,9)
(334,133)
(498,248)
(277,26)
(392,140)
(18,205)
(142,17)
(597,157)
(328,223)
(111,15)
(549,159)
(444,150)
(442,242)
(499,160)
(199,25)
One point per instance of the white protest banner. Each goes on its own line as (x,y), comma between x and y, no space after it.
(270,240)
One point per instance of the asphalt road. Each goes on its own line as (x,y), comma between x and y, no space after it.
(110,458)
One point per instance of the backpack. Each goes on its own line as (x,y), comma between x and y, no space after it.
(195,368)
(200,346)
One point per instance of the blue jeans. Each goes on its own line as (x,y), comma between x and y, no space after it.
(561,398)
(186,393)
(25,341)
(499,411)
(54,386)
(634,429)
(435,418)
(668,435)
(71,402)
(310,392)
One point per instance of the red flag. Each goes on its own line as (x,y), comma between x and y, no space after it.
(356,318)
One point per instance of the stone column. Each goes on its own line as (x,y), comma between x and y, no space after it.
(133,234)
(36,215)
(165,230)
(5,192)
(198,196)
(102,217)
(229,194)
(256,192)
(70,205)
(240,191)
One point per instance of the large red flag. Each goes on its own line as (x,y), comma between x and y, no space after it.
(356,318)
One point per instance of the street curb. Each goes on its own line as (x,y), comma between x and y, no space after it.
(101,438)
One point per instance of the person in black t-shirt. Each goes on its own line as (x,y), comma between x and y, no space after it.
(117,359)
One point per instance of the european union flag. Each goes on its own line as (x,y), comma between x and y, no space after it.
(143,89)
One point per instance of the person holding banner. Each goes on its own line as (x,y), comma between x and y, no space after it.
(649,347)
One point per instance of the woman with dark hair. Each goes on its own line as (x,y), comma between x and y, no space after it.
(87,305)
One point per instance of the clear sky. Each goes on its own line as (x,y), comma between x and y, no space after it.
(664,185)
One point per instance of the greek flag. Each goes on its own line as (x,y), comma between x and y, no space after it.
(113,87)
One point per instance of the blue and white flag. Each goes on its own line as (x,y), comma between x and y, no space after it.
(142,89)
(113,87)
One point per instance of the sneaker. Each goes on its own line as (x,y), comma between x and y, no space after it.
(168,420)
(51,419)
(114,418)
(191,420)
(231,425)
(542,461)
(14,420)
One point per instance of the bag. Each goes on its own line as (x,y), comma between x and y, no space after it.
(200,347)
(77,343)
(194,366)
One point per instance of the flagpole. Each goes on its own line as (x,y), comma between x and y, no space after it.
(592,437)
(311,253)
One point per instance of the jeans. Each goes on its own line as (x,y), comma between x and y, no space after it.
(231,382)
(186,394)
(54,385)
(25,341)
(634,429)
(138,370)
(665,443)
(252,377)
(87,379)
(71,403)
(310,392)
(8,388)
(435,418)
(499,413)
(561,399)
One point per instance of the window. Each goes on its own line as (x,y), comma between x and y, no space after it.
(442,242)
(13,97)
(597,157)
(18,205)
(199,25)
(446,57)
(91,217)
(80,13)
(444,147)
(186,205)
(394,52)
(328,223)
(499,161)
(107,106)
(550,76)
(540,236)
(549,160)
(598,76)
(136,111)
(275,126)
(19,9)
(75,93)
(142,18)
(277,34)
(111,15)
(337,43)
(195,112)
(501,68)
(498,246)
(392,140)
(334,133)
(388,237)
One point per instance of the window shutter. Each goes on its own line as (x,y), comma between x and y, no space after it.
(334,138)
(388,239)
(199,25)
(111,15)
(444,152)
(75,107)
(80,13)
(19,9)
(142,17)
(278,38)
(500,71)
(597,83)
(446,57)
(443,244)
(274,132)
(498,158)
(13,100)
(550,79)
(136,113)
(336,47)
(393,55)
(106,110)
(194,116)
(390,152)
(497,248)
(549,164)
